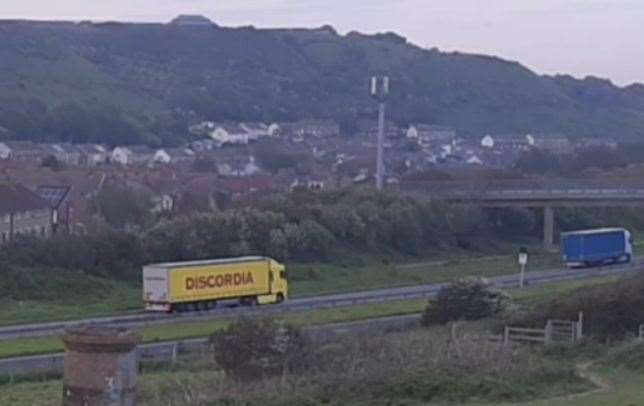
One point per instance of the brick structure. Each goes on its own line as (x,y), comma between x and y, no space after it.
(100,367)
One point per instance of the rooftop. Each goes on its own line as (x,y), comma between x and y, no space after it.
(17,198)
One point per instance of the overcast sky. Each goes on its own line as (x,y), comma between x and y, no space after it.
(603,38)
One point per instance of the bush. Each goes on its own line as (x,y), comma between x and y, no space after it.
(252,349)
(611,310)
(465,299)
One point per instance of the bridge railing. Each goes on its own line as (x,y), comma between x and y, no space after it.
(528,188)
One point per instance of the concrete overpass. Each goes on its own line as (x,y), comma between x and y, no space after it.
(537,194)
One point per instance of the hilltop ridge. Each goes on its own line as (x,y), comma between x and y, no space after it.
(146,83)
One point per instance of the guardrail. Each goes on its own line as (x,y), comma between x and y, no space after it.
(299,305)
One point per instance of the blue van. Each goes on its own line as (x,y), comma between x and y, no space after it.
(596,247)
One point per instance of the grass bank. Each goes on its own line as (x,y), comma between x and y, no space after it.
(528,297)
(306,280)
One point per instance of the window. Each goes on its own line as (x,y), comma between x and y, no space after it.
(283,274)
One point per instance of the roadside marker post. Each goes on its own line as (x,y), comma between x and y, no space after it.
(523,261)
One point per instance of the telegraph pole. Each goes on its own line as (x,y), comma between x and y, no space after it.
(379,91)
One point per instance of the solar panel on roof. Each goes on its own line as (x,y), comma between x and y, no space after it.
(53,195)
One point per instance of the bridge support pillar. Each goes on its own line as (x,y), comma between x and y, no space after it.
(549,228)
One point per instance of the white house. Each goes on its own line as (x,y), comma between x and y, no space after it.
(92,154)
(239,168)
(133,155)
(431,135)
(508,141)
(5,151)
(255,130)
(231,134)
(274,130)
(174,156)
(163,203)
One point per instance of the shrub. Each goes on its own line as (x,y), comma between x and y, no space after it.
(252,349)
(465,299)
(611,310)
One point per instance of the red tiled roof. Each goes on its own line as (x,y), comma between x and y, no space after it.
(17,198)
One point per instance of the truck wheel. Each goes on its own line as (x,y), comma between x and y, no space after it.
(280,298)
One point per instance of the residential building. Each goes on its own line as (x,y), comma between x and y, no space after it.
(21,151)
(238,167)
(588,143)
(133,155)
(59,201)
(22,212)
(553,143)
(508,142)
(307,128)
(92,154)
(174,156)
(369,128)
(255,130)
(64,153)
(428,135)
(231,134)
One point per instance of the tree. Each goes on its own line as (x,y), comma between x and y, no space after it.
(465,299)
(123,207)
(251,349)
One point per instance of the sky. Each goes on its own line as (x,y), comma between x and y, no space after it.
(603,38)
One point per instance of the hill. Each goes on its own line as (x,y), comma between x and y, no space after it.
(132,83)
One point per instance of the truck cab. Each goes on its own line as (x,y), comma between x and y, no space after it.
(278,282)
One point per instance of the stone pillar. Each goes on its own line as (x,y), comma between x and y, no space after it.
(101,366)
(549,228)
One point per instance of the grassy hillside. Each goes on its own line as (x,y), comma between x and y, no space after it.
(121,83)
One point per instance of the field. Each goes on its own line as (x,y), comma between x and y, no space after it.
(306,280)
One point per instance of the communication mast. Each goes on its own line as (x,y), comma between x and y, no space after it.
(379,90)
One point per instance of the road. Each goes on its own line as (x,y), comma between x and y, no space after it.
(307,304)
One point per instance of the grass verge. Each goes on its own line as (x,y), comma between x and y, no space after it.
(530,296)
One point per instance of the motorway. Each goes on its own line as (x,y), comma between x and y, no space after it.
(168,351)
(310,303)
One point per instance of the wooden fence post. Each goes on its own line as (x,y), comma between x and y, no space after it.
(506,335)
(580,327)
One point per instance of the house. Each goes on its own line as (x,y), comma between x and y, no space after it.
(591,143)
(231,134)
(133,155)
(65,153)
(174,156)
(238,167)
(58,198)
(369,128)
(22,212)
(314,183)
(21,151)
(255,130)
(553,143)
(306,129)
(92,155)
(431,135)
(508,142)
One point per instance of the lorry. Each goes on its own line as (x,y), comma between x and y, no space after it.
(596,247)
(199,285)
